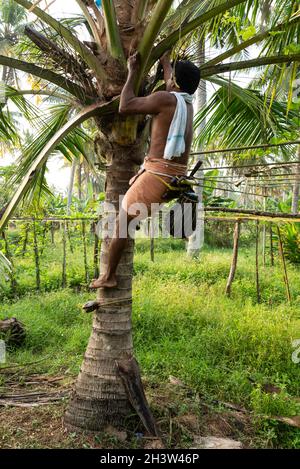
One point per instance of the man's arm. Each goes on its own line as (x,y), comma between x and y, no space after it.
(131,104)
(166,65)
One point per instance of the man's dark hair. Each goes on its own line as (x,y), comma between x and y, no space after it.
(187,76)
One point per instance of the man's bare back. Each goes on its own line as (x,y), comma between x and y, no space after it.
(160,128)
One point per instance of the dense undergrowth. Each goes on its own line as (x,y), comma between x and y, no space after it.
(226,349)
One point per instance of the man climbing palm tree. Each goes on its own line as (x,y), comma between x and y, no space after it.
(171,139)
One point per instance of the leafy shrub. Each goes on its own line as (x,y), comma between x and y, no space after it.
(291,242)
(218,234)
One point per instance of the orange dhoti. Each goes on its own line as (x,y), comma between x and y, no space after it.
(150,185)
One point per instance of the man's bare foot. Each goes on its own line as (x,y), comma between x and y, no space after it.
(104,282)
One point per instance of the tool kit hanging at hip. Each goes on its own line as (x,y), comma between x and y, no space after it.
(182,187)
(181,221)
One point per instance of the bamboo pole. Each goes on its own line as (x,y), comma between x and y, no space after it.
(54,219)
(69,238)
(271,245)
(52,233)
(285,276)
(36,259)
(264,234)
(86,269)
(265,215)
(43,238)
(150,230)
(264,245)
(252,212)
(257,263)
(96,251)
(64,262)
(249,147)
(25,242)
(152,249)
(296,188)
(277,165)
(8,255)
(236,237)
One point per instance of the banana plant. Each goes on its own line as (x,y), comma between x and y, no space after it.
(92,73)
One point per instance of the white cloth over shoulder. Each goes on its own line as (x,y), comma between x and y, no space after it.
(175,145)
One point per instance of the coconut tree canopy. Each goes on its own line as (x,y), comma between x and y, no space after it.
(93,72)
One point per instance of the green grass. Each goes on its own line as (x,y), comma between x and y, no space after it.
(226,349)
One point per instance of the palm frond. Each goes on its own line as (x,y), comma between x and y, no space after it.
(82,50)
(41,157)
(26,108)
(150,34)
(236,116)
(197,21)
(5,264)
(112,31)
(46,127)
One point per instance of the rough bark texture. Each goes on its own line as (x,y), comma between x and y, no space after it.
(129,372)
(193,248)
(99,397)
(12,331)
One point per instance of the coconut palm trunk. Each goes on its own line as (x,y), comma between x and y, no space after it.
(99,397)
(195,241)
(91,75)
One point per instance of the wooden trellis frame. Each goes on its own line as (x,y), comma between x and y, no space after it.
(236,216)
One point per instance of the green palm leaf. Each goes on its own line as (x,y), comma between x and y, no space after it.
(5,265)
(72,145)
(46,150)
(236,116)
(8,131)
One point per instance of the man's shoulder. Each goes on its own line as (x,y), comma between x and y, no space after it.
(164,97)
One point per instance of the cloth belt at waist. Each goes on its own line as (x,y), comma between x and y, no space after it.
(162,168)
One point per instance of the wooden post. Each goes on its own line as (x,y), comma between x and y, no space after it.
(257,263)
(8,254)
(86,269)
(69,238)
(271,245)
(152,248)
(36,258)
(43,237)
(129,372)
(236,237)
(52,233)
(96,251)
(25,239)
(264,245)
(150,229)
(285,276)
(264,234)
(64,263)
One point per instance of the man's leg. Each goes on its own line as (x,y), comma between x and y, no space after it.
(115,251)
